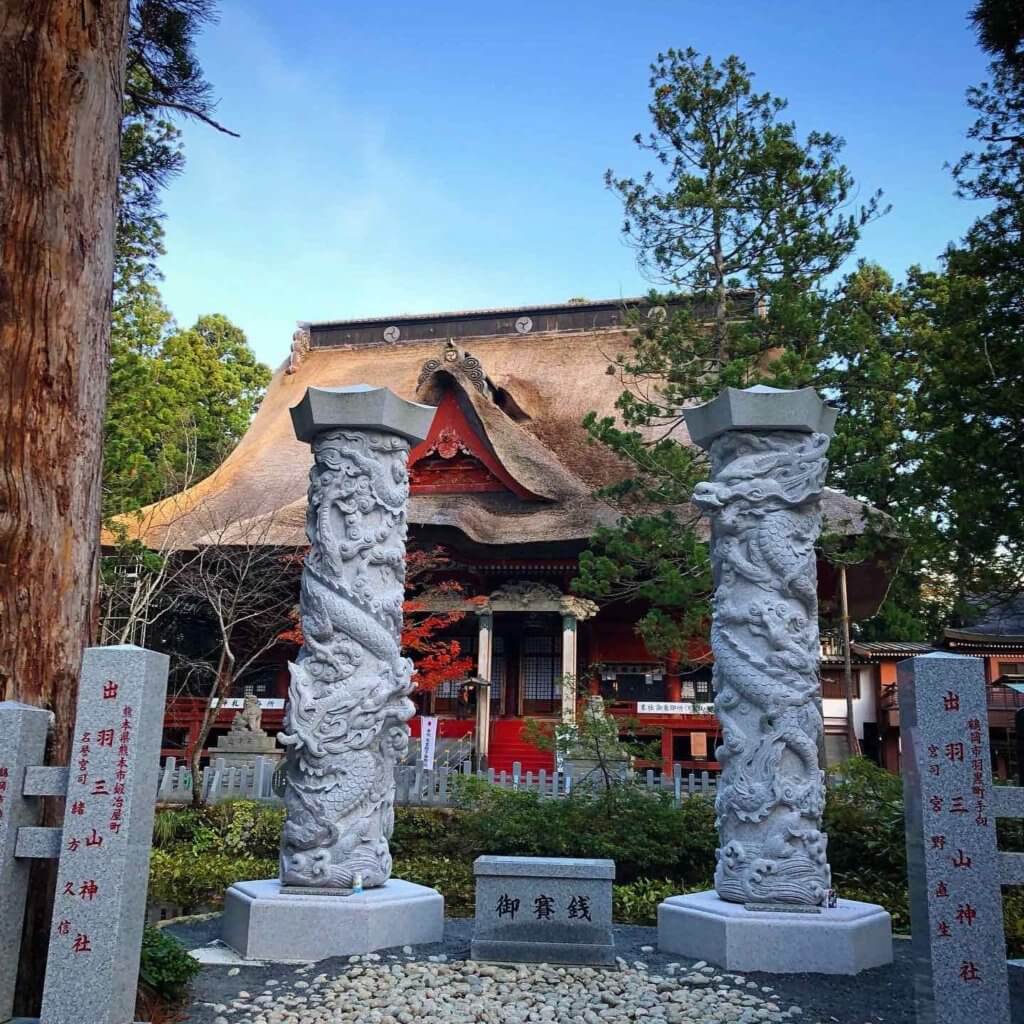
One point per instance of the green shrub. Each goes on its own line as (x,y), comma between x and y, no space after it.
(166,966)
(644,834)
(192,879)
(245,828)
(452,878)
(864,822)
(428,832)
(637,902)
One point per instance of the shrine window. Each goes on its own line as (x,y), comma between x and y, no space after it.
(833,686)
(541,668)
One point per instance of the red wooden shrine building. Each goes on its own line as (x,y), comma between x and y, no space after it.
(505,484)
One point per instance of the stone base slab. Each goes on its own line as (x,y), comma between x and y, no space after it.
(509,951)
(262,923)
(847,939)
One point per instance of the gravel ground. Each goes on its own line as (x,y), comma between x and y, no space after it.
(434,984)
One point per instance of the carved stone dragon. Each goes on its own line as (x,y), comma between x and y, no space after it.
(348,706)
(764,502)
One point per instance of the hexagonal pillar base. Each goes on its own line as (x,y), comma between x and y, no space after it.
(847,939)
(263,923)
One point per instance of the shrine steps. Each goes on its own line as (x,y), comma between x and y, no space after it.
(508,745)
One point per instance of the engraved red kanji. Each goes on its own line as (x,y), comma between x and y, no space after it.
(64,927)
(955,752)
(105,737)
(943,931)
(88,890)
(965,914)
(78,807)
(969,971)
(938,842)
(961,860)
(110,690)
(82,944)
(951,701)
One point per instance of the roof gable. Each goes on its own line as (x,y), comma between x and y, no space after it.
(457,458)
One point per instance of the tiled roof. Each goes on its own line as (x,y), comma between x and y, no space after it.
(890,648)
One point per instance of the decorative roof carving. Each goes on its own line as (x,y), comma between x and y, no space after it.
(300,346)
(448,444)
(454,358)
(526,593)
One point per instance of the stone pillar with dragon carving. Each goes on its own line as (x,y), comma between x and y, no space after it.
(346,724)
(764,503)
(768,464)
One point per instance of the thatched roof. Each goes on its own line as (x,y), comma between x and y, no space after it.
(527,399)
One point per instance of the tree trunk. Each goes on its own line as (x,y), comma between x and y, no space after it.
(851,725)
(61,84)
(221,688)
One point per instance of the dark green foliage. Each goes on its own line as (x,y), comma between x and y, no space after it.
(178,402)
(637,902)
(197,880)
(166,966)
(744,220)
(198,853)
(644,834)
(452,877)
(420,832)
(864,822)
(246,828)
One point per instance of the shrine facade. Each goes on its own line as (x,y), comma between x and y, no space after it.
(506,484)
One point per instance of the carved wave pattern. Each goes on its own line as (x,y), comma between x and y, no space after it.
(346,723)
(764,502)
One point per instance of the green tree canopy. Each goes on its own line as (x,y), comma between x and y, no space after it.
(179,400)
(745,221)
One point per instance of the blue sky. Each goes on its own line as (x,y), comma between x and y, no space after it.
(414,156)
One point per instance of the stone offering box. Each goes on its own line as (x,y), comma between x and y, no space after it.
(552,910)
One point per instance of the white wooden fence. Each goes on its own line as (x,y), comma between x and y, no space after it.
(415,785)
(219,782)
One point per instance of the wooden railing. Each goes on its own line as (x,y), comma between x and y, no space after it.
(416,786)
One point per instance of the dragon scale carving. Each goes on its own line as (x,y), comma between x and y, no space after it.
(346,724)
(764,502)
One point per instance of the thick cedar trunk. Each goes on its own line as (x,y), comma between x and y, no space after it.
(61,80)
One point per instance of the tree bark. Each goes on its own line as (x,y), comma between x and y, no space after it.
(61,85)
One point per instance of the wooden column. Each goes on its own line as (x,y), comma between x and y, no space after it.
(673,684)
(485,645)
(568,668)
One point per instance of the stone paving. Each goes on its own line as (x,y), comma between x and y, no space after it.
(375,990)
(411,979)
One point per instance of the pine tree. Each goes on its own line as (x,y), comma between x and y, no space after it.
(745,221)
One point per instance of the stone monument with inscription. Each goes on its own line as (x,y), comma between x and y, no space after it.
(554,910)
(246,740)
(346,722)
(768,912)
(102,849)
(956,911)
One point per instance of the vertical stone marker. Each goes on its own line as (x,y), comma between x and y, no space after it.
(956,910)
(768,467)
(346,723)
(100,902)
(22,745)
